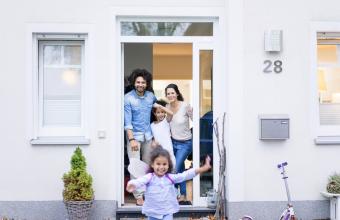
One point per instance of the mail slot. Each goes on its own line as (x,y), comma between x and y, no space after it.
(274,127)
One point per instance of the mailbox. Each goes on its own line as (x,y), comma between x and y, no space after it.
(274,127)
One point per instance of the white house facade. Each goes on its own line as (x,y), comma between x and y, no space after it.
(272,67)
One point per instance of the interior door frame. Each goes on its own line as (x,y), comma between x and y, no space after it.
(197,42)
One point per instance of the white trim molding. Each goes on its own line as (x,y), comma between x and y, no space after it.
(60,141)
(327,140)
(57,31)
(324,134)
(215,15)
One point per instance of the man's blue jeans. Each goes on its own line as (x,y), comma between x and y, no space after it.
(182,149)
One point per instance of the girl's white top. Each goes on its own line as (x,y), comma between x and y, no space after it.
(161,133)
(160,194)
(180,123)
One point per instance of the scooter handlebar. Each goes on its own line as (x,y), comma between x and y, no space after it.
(282,165)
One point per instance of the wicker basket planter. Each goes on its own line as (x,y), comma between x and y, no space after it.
(78,210)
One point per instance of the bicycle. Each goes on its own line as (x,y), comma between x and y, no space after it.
(288,213)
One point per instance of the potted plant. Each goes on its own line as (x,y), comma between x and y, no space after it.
(333,185)
(333,194)
(78,193)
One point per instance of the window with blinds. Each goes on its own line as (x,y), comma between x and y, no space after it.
(60,76)
(328,77)
(59,84)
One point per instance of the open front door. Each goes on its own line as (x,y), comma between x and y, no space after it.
(182,55)
(203,118)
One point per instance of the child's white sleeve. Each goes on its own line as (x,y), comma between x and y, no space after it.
(141,181)
(186,175)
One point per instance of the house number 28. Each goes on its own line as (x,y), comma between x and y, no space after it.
(269,67)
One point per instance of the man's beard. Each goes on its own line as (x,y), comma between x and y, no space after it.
(140,89)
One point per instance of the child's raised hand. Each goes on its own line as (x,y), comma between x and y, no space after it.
(156,105)
(189,111)
(130,187)
(205,167)
(207,162)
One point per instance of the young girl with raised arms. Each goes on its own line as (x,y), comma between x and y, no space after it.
(160,195)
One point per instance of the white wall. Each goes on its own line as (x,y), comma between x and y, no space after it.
(286,93)
(34,172)
(231,96)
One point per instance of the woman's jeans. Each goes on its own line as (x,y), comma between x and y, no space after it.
(182,149)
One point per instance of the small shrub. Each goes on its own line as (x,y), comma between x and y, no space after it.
(77,182)
(333,185)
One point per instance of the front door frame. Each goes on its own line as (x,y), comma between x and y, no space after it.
(163,15)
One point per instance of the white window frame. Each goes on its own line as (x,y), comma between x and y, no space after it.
(324,134)
(63,33)
(59,130)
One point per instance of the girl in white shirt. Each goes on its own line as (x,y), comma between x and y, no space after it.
(161,129)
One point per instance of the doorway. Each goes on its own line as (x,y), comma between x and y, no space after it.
(187,62)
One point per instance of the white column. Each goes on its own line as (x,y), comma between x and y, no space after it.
(235,114)
(335,208)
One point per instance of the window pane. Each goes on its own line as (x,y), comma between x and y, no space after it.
(206,117)
(328,76)
(61,113)
(327,54)
(167,29)
(62,97)
(52,55)
(72,55)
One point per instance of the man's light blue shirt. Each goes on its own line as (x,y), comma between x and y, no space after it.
(137,113)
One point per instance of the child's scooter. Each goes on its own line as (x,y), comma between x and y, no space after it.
(288,213)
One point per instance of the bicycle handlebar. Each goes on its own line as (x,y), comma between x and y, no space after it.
(282,165)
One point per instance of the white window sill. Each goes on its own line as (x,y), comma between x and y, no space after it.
(60,141)
(327,140)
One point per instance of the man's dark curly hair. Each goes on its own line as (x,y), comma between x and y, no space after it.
(143,73)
